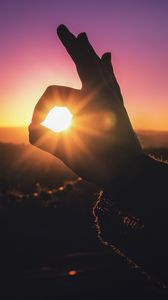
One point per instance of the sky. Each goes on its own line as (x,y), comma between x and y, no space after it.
(32,57)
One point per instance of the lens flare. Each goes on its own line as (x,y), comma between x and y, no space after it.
(58,119)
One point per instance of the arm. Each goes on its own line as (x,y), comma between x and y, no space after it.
(132,215)
(103,148)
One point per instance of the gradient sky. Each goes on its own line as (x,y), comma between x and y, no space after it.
(32,57)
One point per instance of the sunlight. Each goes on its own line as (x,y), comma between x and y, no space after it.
(58,119)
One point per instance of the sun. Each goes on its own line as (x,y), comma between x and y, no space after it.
(58,119)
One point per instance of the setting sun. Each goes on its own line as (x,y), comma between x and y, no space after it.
(58,119)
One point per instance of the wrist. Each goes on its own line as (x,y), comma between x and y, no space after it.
(131,171)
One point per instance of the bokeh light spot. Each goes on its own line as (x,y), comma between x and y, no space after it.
(72,272)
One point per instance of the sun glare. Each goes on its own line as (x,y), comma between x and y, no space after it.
(58,119)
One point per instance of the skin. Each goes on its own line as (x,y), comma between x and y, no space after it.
(101,142)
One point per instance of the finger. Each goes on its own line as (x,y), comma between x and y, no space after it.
(86,48)
(59,144)
(108,69)
(52,142)
(106,61)
(43,138)
(89,67)
(54,96)
(87,61)
(69,41)
(77,47)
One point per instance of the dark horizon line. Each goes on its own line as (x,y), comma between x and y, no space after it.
(139,130)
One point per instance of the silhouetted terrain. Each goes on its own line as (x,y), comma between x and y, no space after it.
(40,246)
(24,168)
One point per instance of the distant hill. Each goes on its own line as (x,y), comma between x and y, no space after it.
(153,139)
(23,166)
(18,135)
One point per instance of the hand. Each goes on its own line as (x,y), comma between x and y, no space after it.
(101,142)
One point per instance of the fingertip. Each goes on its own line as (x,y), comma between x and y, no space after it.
(33,127)
(67,38)
(64,33)
(29,127)
(106,56)
(82,35)
(61,28)
(36,131)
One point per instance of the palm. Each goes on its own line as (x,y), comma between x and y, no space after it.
(102,139)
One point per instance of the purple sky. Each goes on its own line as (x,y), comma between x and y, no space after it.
(31,56)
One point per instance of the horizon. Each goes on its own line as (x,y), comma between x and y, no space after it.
(148,138)
(137,129)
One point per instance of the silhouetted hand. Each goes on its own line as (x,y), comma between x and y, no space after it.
(101,141)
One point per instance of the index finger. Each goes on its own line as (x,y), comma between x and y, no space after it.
(55,96)
(87,62)
(69,41)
